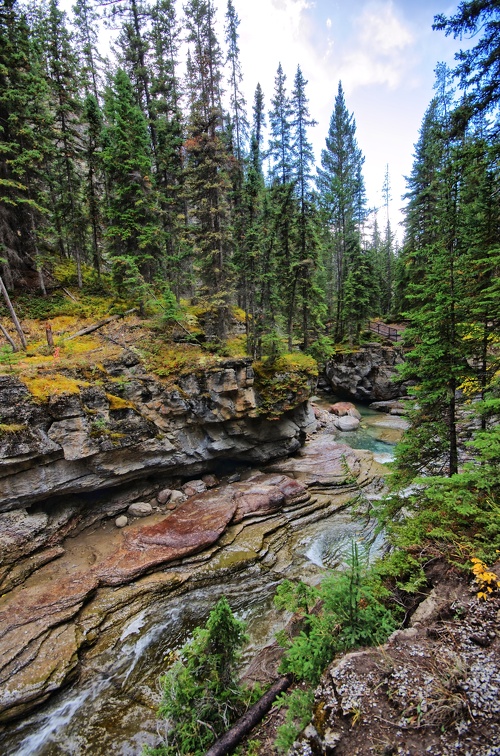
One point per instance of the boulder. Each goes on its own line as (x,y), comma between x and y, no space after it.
(367,374)
(347,423)
(121,521)
(176,497)
(193,487)
(164,495)
(140,509)
(344,408)
(210,481)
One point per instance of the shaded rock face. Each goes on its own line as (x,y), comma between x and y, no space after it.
(370,374)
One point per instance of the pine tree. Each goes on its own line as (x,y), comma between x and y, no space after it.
(307,241)
(24,121)
(169,127)
(341,189)
(237,100)
(437,303)
(478,69)
(207,164)
(86,21)
(280,143)
(133,234)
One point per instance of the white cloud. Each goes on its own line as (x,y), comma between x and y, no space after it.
(379,52)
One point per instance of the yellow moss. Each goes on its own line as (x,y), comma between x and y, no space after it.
(7,428)
(43,387)
(236,347)
(117,403)
(238,314)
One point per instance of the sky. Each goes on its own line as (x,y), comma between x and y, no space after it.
(383,51)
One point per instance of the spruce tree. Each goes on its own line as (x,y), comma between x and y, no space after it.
(207,166)
(341,190)
(307,239)
(133,234)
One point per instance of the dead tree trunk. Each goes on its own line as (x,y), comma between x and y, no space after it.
(13,315)
(247,722)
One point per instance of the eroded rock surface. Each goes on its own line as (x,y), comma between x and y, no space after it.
(104,578)
(368,374)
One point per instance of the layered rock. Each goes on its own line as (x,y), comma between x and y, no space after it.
(60,453)
(367,374)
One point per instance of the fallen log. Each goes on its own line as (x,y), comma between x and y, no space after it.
(9,339)
(95,326)
(248,721)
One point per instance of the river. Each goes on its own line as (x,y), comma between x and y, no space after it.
(110,711)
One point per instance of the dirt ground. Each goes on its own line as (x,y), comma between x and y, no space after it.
(434,688)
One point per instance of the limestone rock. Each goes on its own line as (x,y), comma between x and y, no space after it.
(367,374)
(347,423)
(345,408)
(193,487)
(121,521)
(140,509)
(177,497)
(164,495)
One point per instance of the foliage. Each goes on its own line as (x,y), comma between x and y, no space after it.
(299,705)
(283,383)
(350,613)
(486,581)
(201,693)
(454,517)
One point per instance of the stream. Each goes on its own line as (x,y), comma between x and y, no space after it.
(111,710)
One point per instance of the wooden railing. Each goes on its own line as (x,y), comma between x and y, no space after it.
(384,330)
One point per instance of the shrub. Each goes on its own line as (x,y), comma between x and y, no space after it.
(201,693)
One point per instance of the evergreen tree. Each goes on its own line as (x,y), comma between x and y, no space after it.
(280,143)
(133,234)
(86,21)
(169,127)
(237,99)
(307,241)
(341,189)
(64,166)
(437,313)
(478,69)
(207,164)
(24,144)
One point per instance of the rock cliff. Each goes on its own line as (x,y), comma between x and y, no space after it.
(367,374)
(86,449)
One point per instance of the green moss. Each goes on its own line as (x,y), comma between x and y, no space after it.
(284,383)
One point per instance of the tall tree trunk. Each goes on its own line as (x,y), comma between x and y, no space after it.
(13,315)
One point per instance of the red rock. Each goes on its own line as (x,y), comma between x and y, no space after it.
(343,408)
(193,526)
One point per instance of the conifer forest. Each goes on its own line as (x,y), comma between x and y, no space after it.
(138,182)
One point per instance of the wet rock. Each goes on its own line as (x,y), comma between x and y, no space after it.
(347,423)
(121,521)
(192,527)
(140,509)
(160,431)
(210,481)
(326,464)
(393,407)
(367,374)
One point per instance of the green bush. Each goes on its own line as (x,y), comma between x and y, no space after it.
(201,693)
(351,613)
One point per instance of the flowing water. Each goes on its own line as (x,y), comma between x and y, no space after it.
(111,710)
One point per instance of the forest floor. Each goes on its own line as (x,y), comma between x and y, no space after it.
(433,688)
